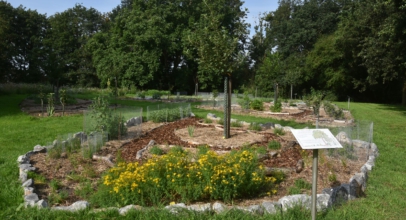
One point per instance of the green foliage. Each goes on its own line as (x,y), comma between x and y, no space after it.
(63,99)
(299,186)
(106,120)
(315,100)
(191,130)
(278,131)
(176,179)
(245,102)
(177,150)
(302,184)
(156,150)
(54,185)
(257,105)
(168,114)
(141,94)
(274,145)
(37,178)
(84,190)
(236,123)
(51,106)
(333,111)
(255,126)
(276,107)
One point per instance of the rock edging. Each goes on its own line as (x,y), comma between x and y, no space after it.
(355,188)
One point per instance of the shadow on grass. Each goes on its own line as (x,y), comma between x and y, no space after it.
(10,104)
(389,107)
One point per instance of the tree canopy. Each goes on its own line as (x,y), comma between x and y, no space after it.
(348,47)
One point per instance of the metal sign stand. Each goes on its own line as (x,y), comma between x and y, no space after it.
(314,182)
(315,139)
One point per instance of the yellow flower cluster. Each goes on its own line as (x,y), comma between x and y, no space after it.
(173,176)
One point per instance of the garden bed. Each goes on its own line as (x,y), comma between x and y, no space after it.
(77,177)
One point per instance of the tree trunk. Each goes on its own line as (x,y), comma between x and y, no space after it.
(404,94)
(227,107)
(291,91)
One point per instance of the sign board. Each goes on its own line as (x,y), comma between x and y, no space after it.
(315,138)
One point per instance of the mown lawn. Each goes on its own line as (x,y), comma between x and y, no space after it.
(386,194)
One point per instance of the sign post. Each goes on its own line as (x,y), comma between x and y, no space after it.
(315,139)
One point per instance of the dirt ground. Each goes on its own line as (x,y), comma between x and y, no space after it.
(69,169)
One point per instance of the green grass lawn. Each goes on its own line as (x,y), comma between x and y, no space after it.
(386,194)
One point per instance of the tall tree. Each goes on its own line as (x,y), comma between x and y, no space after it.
(68,58)
(217,38)
(21,34)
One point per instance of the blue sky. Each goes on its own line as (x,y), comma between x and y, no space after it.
(50,7)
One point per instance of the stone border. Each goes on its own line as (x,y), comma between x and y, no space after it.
(355,188)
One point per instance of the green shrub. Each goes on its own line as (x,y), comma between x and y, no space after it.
(257,105)
(141,94)
(51,106)
(106,120)
(245,102)
(276,107)
(333,111)
(168,115)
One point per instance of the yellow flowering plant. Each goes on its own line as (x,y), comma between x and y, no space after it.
(177,177)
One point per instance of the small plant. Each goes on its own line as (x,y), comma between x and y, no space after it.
(105,120)
(279,131)
(245,102)
(333,111)
(261,150)
(41,96)
(299,186)
(55,152)
(38,178)
(51,106)
(177,150)
(156,150)
(255,126)
(274,145)
(257,105)
(54,185)
(156,95)
(294,190)
(191,130)
(236,123)
(303,184)
(141,94)
(63,99)
(332,177)
(277,107)
(215,94)
(84,190)
(57,198)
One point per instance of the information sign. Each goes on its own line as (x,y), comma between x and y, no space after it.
(316,139)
